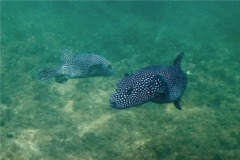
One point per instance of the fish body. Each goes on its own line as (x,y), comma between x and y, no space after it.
(77,66)
(158,84)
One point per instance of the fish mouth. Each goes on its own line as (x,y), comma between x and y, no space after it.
(113,104)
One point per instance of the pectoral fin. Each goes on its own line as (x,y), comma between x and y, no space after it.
(158,86)
(62,78)
(95,69)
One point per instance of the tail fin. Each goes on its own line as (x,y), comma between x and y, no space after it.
(177,61)
(46,74)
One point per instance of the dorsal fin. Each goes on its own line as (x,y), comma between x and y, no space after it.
(177,61)
(126,74)
(67,56)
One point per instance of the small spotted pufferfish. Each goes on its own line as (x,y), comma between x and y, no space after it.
(77,66)
(158,84)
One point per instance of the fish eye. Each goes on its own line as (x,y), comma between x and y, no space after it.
(109,66)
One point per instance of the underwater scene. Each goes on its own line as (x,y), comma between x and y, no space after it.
(66,68)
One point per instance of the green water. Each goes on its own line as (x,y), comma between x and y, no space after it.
(75,121)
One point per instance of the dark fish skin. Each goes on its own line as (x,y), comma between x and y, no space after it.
(77,66)
(158,84)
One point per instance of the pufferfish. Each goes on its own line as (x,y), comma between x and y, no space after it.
(77,66)
(158,84)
